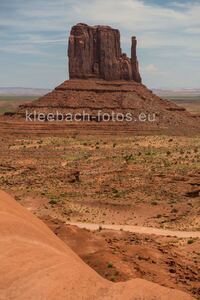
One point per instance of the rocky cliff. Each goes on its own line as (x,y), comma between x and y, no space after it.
(95,52)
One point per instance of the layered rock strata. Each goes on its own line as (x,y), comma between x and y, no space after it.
(95,52)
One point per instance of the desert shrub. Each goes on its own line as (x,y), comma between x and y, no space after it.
(191,241)
(110,265)
(159,216)
(128,157)
(53,201)
(154,203)
(113,278)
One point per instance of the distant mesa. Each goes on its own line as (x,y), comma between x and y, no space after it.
(95,52)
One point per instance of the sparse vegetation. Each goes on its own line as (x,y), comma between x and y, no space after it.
(53,201)
(125,184)
(191,241)
(110,265)
(154,203)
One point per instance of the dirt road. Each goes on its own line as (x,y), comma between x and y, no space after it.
(139,229)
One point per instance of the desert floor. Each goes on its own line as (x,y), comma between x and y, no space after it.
(138,181)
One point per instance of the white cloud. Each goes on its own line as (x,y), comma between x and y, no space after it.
(137,15)
(152,69)
(129,14)
(39,39)
(168,39)
(21,49)
(193,30)
(133,16)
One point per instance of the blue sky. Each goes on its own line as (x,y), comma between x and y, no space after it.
(33,38)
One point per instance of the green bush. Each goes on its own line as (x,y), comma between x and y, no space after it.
(110,265)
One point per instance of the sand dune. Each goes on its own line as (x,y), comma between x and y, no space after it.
(35,264)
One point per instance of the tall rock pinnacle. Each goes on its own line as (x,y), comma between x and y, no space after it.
(95,52)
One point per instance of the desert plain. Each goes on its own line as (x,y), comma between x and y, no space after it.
(140,181)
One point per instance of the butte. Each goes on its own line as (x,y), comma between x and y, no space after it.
(103,78)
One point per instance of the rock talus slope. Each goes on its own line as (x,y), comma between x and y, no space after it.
(35,264)
(94,96)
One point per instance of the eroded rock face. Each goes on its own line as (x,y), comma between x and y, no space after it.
(95,52)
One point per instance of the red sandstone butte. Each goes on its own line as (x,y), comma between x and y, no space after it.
(95,52)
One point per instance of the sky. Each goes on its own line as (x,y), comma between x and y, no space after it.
(34,36)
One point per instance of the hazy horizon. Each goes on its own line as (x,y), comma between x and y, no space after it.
(49,88)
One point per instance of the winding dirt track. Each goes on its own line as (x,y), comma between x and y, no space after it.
(139,229)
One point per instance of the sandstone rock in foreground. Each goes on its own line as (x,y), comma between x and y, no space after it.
(35,264)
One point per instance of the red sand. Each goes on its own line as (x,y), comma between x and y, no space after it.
(35,264)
